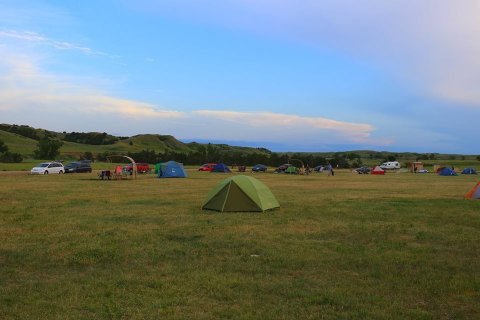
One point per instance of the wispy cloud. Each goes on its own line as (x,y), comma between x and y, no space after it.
(352,131)
(34,37)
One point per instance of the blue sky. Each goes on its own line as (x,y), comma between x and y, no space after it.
(305,75)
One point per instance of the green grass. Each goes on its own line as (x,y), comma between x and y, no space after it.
(344,247)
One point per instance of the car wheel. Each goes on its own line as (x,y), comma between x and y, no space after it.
(60,172)
(46,172)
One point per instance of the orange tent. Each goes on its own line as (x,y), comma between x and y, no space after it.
(474,193)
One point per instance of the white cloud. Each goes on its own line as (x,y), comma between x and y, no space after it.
(32,95)
(25,88)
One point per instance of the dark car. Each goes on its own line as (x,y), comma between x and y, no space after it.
(259,168)
(362,170)
(78,167)
(282,168)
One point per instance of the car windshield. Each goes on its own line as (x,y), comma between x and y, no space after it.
(73,164)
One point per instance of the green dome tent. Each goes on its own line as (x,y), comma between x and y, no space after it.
(240,193)
(291,169)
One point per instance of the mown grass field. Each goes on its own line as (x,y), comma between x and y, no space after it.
(399,246)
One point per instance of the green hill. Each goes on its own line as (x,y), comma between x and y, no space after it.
(17,143)
(25,145)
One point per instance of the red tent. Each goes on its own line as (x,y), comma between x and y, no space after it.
(377,170)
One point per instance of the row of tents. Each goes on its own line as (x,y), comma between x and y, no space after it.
(451,172)
(242,193)
(173,169)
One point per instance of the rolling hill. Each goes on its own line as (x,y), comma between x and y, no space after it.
(154,142)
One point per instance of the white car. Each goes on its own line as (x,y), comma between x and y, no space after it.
(390,165)
(48,167)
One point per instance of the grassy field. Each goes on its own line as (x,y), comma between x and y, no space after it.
(399,246)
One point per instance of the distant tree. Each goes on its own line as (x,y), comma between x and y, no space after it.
(463,157)
(48,148)
(357,163)
(11,157)
(3,147)
(353,156)
(88,155)
(478,158)
(7,156)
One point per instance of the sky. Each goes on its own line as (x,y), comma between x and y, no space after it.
(303,75)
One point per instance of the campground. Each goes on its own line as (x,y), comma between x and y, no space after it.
(351,246)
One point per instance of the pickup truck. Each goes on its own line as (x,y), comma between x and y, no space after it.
(141,167)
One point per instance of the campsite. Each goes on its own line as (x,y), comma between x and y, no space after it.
(398,245)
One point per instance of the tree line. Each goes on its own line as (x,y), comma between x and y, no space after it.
(211,153)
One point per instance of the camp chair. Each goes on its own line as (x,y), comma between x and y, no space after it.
(118,173)
(104,174)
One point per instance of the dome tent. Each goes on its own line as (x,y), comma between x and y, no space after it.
(445,171)
(469,171)
(221,167)
(171,169)
(377,170)
(240,193)
(474,193)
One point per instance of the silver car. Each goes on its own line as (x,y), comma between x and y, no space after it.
(48,167)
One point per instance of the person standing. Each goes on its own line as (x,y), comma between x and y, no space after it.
(330,169)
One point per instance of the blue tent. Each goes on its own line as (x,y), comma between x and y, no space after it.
(171,169)
(469,171)
(221,167)
(446,172)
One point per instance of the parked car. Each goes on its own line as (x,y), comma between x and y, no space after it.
(282,168)
(47,168)
(363,170)
(78,167)
(141,167)
(318,169)
(207,167)
(259,168)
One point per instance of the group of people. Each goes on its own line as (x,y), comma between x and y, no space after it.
(329,168)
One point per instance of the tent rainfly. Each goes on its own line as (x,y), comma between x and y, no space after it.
(474,193)
(446,172)
(469,171)
(377,170)
(171,169)
(240,193)
(221,167)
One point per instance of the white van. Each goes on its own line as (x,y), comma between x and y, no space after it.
(390,165)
